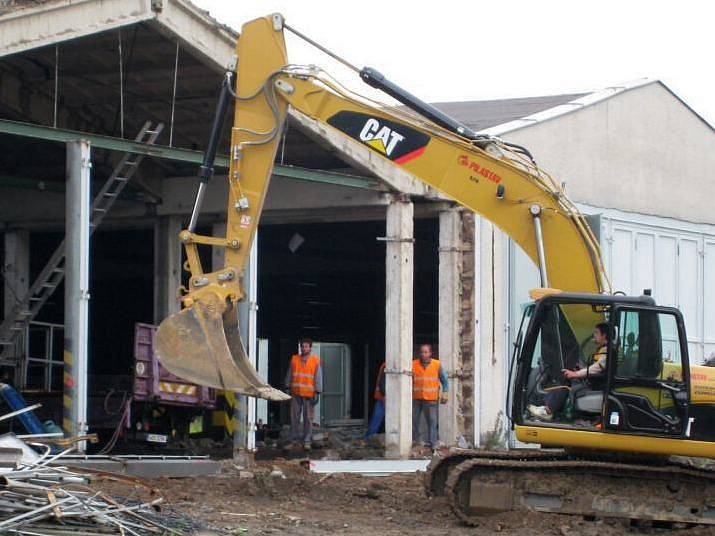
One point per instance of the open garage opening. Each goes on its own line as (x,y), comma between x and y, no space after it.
(326,281)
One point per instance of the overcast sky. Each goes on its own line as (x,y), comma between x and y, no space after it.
(450,50)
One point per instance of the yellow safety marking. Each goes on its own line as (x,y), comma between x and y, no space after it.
(177,388)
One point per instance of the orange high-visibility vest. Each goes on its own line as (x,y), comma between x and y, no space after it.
(379,395)
(425,380)
(302,379)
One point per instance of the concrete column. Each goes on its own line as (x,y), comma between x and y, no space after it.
(16,267)
(450,223)
(167,267)
(76,289)
(398,327)
(492,366)
(244,439)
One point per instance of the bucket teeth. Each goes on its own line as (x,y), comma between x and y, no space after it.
(203,346)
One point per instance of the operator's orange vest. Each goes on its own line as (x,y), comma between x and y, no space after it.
(425,381)
(379,395)
(302,379)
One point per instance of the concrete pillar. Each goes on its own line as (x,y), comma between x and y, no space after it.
(490,398)
(16,267)
(77,234)
(244,439)
(398,327)
(167,267)
(450,223)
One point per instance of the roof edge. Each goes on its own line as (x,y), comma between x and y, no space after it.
(569,107)
(583,102)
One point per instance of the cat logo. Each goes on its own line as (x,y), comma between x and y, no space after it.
(395,141)
(380,137)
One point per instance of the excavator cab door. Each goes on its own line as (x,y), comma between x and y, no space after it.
(648,372)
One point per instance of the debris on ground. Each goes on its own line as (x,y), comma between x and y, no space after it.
(39,497)
(335,443)
(305,503)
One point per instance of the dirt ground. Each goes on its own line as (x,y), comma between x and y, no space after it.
(284,498)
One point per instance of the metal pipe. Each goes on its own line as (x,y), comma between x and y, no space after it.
(200,193)
(536,214)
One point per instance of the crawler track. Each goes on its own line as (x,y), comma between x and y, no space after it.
(441,466)
(665,493)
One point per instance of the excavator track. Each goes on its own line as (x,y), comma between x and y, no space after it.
(671,493)
(442,464)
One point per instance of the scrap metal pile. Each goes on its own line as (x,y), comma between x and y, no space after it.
(41,497)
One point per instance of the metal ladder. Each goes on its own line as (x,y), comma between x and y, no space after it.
(14,325)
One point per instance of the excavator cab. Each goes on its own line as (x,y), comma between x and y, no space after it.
(644,386)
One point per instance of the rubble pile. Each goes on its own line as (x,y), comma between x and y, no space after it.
(39,496)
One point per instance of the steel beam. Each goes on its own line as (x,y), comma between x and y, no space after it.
(99,141)
(27,130)
(76,289)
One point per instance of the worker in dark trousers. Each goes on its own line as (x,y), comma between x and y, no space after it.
(428,379)
(305,381)
(378,413)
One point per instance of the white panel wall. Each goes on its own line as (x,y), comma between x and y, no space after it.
(671,260)
(709,297)
(676,260)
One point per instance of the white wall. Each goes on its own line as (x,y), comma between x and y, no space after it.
(641,150)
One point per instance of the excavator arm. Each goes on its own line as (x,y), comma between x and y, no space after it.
(493,178)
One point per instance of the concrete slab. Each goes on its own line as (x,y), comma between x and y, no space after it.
(368,467)
(146,467)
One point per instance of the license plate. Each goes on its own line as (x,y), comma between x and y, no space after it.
(156,438)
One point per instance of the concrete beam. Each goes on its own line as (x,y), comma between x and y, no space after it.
(16,267)
(361,157)
(76,266)
(283,194)
(450,305)
(211,42)
(167,266)
(54,22)
(49,23)
(398,328)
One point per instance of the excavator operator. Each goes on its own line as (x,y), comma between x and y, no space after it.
(556,398)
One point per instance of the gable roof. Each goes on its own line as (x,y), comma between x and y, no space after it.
(479,115)
(497,117)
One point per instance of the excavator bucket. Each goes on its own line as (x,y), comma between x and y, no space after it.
(204,346)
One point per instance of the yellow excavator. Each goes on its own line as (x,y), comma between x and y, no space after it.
(612,445)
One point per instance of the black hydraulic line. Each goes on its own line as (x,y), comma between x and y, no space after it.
(207,167)
(206,170)
(376,79)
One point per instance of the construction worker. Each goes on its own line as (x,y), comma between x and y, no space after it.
(305,381)
(556,398)
(428,377)
(378,413)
